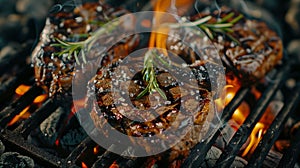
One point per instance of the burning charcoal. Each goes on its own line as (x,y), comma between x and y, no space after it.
(14,159)
(2,147)
(227,134)
(72,138)
(281,145)
(213,155)
(48,130)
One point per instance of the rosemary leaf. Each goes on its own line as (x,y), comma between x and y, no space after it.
(227,17)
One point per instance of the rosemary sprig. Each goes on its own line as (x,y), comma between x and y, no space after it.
(75,48)
(223,26)
(149,74)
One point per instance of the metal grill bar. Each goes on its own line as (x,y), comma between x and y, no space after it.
(16,142)
(8,87)
(130,163)
(78,151)
(38,117)
(199,152)
(106,160)
(241,136)
(273,132)
(290,155)
(16,107)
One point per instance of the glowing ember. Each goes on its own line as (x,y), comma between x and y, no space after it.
(57,142)
(114,165)
(241,113)
(40,98)
(96,149)
(83,165)
(22,115)
(22,89)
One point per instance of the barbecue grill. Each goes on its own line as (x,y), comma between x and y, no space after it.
(16,137)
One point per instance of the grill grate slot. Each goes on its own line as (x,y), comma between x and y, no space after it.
(240,137)
(8,113)
(196,157)
(38,117)
(273,132)
(14,141)
(8,87)
(79,151)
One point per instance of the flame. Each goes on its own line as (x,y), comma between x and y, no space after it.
(158,38)
(22,89)
(40,99)
(22,115)
(83,165)
(228,93)
(114,165)
(240,115)
(255,137)
(96,150)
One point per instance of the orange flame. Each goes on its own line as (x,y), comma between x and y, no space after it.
(21,90)
(255,137)
(229,92)
(83,165)
(240,115)
(40,99)
(158,39)
(22,115)
(96,149)
(114,165)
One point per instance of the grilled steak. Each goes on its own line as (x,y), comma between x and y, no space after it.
(53,72)
(116,96)
(260,47)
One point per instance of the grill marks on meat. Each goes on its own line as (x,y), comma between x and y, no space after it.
(259,51)
(152,115)
(55,73)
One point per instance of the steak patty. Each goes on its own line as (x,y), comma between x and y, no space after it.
(258,50)
(188,106)
(54,73)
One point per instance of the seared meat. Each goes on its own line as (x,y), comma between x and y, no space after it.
(260,47)
(116,88)
(54,72)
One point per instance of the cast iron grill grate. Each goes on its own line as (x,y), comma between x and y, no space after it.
(16,139)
